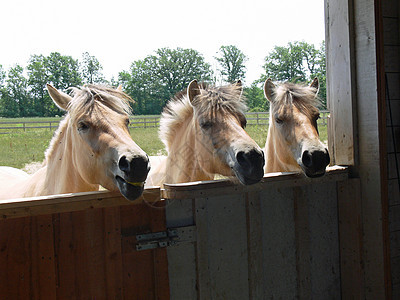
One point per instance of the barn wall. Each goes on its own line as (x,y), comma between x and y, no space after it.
(391,50)
(356,65)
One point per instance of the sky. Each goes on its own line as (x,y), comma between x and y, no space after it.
(120,32)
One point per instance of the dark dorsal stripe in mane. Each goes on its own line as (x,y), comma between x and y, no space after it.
(225,99)
(302,96)
(88,96)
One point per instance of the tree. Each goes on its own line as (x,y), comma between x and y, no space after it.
(2,89)
(256,100)
(138,84)
(15,99)
(175,68)
(37,79)
(286,63)
(231,61)
(62,71)
(90,69)
(151,82)
(58,70)
(297,62)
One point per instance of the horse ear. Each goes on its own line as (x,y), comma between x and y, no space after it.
(59,98)
(269,87)
(193,90)
(239,84)
(315,85)
(119,88)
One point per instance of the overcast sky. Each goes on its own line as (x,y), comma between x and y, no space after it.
(119,32)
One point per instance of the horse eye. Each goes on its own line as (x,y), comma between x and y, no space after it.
(82,126)
(128,122)
(206,125)
(243,123)
(279,121)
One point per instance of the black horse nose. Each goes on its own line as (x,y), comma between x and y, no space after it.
(316,160)
(252,162)
(136,168)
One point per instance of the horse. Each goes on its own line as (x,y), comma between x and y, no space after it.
(91,147)
(202,129)
(293,142)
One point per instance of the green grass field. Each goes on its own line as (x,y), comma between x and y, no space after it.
(20,148)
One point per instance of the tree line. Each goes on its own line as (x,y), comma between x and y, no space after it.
(152,81)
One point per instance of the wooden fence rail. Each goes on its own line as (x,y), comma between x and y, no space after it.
(253,118)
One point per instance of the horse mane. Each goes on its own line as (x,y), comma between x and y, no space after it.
(225,99)
(302,96)
(87,97)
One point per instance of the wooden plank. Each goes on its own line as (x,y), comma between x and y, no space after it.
(321,204)
(145,273)
(89,235)
(65,257)
(181,257)
(202,246)
(158,223)
(138,266)
(81,255)
(303,243)
(221,240)
(371,166)
(350,228)
(278,242)
(395,244)
(218,187)
(394,217)
(43,274)
(33,206)
(15,251)
(113,252)
(340,81)
(255,246)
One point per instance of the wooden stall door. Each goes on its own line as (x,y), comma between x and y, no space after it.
(88,254)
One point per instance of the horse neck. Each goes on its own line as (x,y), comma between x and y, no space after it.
(278,156)
(62,176)
(182,164)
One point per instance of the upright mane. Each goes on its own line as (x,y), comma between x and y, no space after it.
(87,97)
(302,96)
(223,99)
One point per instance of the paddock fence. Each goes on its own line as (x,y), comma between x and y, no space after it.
(253,118)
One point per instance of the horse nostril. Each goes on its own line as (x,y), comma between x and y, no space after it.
(307,159)
(124,164)
(240,157)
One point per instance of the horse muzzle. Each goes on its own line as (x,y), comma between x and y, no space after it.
(249,166)
(132,175)
(314,162)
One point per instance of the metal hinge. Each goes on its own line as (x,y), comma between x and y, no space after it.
(167,238)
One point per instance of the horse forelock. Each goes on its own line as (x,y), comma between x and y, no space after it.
(302,96)
(224,99)
(86,98)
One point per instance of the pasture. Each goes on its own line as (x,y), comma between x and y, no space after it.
(23,147)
